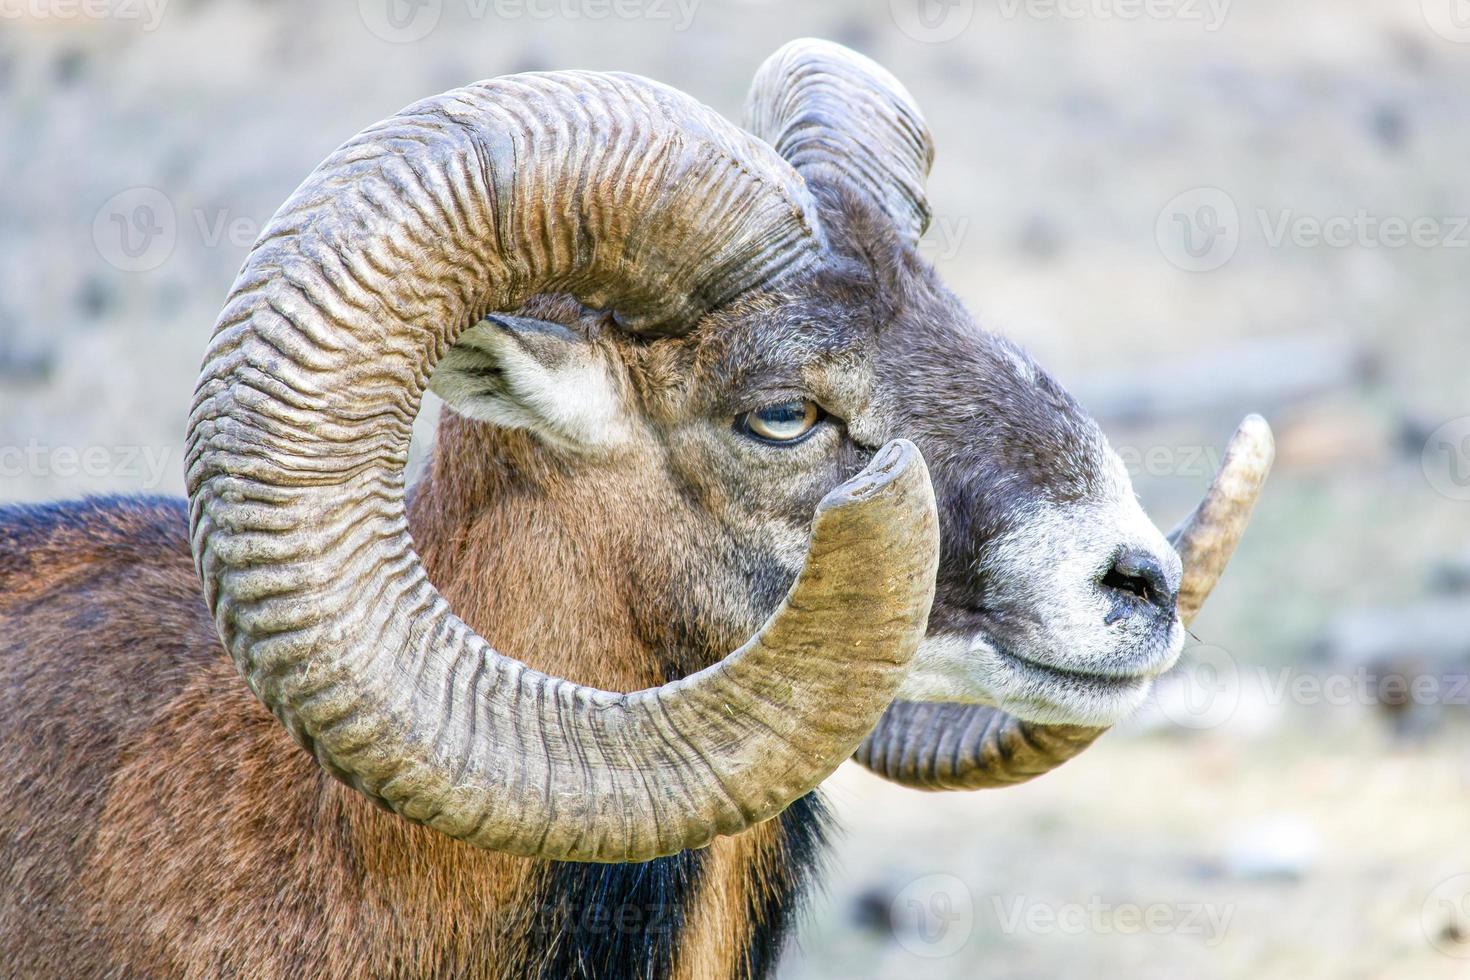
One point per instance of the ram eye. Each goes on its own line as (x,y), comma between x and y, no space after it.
(785,422)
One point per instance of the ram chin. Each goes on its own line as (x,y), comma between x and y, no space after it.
(978,670)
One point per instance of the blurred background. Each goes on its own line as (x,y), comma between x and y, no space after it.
(1187,209)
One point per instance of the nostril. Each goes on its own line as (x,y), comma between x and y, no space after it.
(1121,582)
(1139,574)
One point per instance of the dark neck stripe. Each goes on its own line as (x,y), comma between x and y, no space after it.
(776,909)
(613,921)
(626,921)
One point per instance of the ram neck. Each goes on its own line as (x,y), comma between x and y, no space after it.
(543,566)
(530,557)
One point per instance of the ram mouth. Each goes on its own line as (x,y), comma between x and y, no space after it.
(1048,694)
(1072,678)
(984,624)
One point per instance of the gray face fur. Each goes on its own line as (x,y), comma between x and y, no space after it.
(1055,595)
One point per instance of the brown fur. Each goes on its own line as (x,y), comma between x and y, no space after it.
(161,823)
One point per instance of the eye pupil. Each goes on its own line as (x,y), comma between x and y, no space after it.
(790,413)
(782,422)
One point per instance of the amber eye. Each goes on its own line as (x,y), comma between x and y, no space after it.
(786,422)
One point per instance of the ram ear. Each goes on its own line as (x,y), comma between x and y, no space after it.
(531,374)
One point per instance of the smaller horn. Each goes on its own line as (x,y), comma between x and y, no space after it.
(964,746)
(838,117)
(1207,538)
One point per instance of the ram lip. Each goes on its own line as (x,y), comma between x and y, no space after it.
(1151,664)
(1071,676)
(1048,693)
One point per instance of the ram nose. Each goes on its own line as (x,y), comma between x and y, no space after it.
(1142,582)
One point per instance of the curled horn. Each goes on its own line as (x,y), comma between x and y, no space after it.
(633,198)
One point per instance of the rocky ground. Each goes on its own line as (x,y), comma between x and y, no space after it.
(1188,209)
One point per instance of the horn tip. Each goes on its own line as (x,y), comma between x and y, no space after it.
(1255,427)
(891,464)
(1254,443)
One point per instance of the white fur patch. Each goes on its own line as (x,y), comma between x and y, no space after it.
(1059,658)
(565,394)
